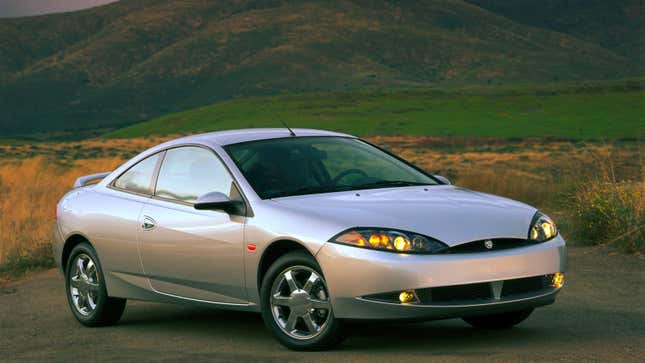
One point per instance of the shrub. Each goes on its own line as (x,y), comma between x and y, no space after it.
(611,212)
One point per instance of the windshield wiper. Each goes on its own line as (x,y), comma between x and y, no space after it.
(389,183)
(312,190)
(341,188)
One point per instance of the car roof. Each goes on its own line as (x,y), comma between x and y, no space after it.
(222,138)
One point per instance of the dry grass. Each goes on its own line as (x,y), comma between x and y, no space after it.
(547,174)
(89,149)
(539,172)
(30,189)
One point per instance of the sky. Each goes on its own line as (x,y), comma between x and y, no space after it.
(13,8)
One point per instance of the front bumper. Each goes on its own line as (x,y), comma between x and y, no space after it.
(354,274)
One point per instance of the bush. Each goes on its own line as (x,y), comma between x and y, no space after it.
(611,212)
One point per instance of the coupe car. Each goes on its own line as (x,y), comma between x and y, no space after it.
(310,228)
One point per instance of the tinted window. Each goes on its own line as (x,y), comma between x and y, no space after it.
(305,165)
(190,172)
(138,178)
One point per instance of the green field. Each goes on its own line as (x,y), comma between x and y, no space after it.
(594,110)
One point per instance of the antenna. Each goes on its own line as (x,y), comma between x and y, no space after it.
(288,128)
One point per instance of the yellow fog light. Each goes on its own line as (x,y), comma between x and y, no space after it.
(558,280)
(407,297)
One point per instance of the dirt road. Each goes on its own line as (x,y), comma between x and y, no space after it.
(600,316)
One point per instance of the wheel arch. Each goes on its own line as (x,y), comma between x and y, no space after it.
(72,241)
(273,252)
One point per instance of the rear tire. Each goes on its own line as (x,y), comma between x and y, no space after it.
(296,306)
(498,321)
(86,291)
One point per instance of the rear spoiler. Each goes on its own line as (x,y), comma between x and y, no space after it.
(84,180)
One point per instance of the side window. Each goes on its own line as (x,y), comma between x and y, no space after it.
(138,178)
(190,172)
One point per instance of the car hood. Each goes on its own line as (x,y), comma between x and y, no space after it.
(450,214)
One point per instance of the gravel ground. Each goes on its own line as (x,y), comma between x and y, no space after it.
(600,316)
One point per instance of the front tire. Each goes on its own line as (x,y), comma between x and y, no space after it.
(86,292)
(498,321)
(296,306)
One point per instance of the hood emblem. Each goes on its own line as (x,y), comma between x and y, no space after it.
(488,244)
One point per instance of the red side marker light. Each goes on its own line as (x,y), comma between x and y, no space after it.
(251,247)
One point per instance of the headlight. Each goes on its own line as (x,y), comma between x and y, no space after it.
(389,240)
(542,228)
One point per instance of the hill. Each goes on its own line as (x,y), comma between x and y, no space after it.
(588,110)
(138,59)
(618,25)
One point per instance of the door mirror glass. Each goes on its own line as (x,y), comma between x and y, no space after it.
(216,201)
(443,179)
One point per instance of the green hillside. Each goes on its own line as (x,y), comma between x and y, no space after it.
(137,59)
(589,110)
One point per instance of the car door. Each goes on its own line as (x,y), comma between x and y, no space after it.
(114,214)
(189,253)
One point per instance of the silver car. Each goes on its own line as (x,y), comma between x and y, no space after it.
(311,228)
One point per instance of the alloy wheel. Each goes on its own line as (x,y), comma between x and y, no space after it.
(84,284)
(300,302)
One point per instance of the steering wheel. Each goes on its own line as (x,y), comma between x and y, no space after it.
(347,172)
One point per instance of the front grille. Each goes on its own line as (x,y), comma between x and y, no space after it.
(448,294)
(480,246)
(524,286)
(482,292)
(474,293)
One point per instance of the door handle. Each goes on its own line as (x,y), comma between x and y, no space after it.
(148,223)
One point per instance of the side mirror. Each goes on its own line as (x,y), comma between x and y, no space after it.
(217,201)
(443,179)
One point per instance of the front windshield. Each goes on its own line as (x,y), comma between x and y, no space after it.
(307,165)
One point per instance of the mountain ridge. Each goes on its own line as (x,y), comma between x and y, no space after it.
(133,60)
